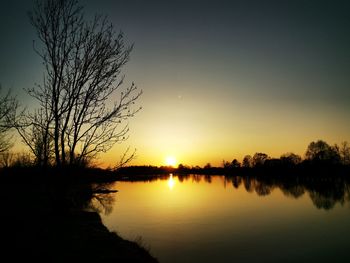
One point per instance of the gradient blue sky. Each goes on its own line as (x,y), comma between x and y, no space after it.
(221,79)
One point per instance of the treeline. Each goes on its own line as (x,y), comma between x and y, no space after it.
(318,154)
(148,172)
(319,157)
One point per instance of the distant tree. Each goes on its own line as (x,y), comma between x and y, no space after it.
(259,159)
(182,167)
(273,163)
(8,107)
(321,152)
(207,166)
(81,107)
(290,159)
(344,152)
(235,163)
(226,164)
(247,161)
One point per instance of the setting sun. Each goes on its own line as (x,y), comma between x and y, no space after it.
(170,161)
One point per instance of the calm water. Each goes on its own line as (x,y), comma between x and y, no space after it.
(213,219)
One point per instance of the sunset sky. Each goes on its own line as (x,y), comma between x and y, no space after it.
(220,79)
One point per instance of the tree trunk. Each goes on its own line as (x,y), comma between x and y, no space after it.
(56,139)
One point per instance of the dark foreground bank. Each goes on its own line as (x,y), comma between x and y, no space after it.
(45,221)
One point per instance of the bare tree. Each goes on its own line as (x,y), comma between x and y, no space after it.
(82,107)
(344,151)
(36,133)
(8,107)
(125,158)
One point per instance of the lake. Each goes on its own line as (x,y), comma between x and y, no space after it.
(219,219)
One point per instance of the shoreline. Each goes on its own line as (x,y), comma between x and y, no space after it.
(39,223)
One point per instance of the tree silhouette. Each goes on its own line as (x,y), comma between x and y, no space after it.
(247,161)
(259,159)
(36,133)
(290,159)
(82,109)
(207,166)
(321,152)
(8,107)
(344,151)
(235,163)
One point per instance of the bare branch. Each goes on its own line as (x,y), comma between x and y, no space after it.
(125,158)
(79,115)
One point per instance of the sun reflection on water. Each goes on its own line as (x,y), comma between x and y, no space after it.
(171,182)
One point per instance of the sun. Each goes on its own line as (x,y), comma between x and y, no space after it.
(170,161)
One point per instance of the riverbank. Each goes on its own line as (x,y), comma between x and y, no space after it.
(42,220)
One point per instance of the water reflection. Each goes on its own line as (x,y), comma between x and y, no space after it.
(198,218)
(325,193)
(102,198)
(171,182)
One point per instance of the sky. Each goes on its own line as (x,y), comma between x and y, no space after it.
(220,79)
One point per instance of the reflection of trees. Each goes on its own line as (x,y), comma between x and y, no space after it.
(183,177)
(102,200)
(236,181)
(103,203)
(294,190)
(263,189)
(196,178)
(325,192)
(347,192)
(207,178)
(248,184)
(321,201)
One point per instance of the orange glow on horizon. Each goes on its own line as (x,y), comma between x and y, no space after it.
(170,161)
